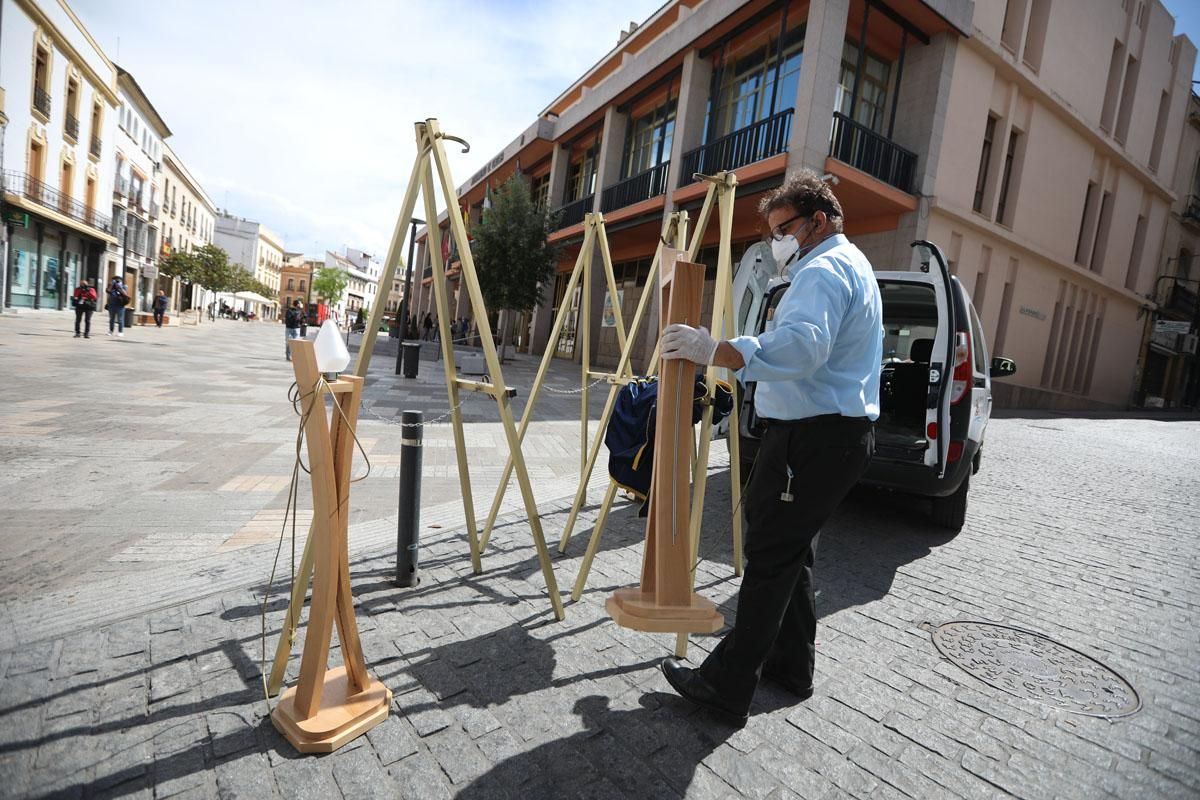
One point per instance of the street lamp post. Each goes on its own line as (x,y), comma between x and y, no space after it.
(408,268)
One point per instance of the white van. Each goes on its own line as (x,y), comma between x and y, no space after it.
(935,389)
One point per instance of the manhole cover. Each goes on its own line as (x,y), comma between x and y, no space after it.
(1032,666)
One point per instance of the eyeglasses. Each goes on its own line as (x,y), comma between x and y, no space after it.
(778,232)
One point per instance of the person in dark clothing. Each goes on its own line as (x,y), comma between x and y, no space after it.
(84,301)
(160,308)
(818,393)
(427,325)
(293,320)
(118,298)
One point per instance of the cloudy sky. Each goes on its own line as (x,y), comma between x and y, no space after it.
(299,114)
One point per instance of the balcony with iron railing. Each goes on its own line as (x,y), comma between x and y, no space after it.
(95,149)
(22,185)
(71,126)
(634,189)
(572,213)
(872,153)
(1191,211)
(760,140)
(1180,299)
(41,101)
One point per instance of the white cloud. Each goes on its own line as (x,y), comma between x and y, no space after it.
(299,114)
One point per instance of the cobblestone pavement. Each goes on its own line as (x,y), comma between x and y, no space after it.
(1083,530)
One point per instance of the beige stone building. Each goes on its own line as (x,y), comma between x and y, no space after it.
(295,279)
(257,250)
(1170,373)
(186,220)
(1034,141)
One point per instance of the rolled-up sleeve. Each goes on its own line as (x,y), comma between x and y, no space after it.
(806,324)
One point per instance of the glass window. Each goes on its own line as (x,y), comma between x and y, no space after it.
(872,89)
(747,91)
(581,180)
(648,143)
(539,191)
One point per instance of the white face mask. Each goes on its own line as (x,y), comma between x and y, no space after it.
(784,249)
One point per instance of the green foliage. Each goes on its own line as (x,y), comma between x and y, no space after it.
(329,283)
(185,266)
(512,256)
(213,270)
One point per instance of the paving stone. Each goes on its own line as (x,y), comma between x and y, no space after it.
(359,774)
(392,740)
(247,776)
(306,779)
(419,776)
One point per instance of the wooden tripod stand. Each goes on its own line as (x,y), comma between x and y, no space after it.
(594,234)
(665,601)
(722,189)
(329,707)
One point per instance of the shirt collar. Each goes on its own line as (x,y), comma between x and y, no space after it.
(821,249)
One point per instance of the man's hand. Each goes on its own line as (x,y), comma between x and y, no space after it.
(688,343)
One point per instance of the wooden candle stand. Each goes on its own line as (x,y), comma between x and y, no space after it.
(665,602)
(329,707)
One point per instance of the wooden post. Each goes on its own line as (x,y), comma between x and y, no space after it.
(665,601)
(329,707)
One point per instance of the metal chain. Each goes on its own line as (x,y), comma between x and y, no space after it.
(393,421)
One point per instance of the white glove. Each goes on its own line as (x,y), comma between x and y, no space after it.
(688,343)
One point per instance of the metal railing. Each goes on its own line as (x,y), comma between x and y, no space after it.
(763,139)
(96,146)
(71,125)
(41,100)
(1180,299)
(572,213)
(635,189)
(876,155)
(1191,210)
(23,185)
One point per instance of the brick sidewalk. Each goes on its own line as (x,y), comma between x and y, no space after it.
(1081,529)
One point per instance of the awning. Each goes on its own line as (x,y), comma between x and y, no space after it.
(254,297)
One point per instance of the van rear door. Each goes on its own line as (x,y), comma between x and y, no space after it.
(941,362)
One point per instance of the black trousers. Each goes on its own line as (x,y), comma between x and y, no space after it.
(776,614)
(158,317)
(83,315)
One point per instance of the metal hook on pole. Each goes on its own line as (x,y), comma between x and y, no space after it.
(466,147)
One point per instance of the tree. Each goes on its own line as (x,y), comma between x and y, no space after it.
(214,271)
(512,255)
(330,284)
(185,266)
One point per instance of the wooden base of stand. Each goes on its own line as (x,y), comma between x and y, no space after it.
(633,608)
(343,716)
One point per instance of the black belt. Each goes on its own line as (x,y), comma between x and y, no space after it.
(823,419)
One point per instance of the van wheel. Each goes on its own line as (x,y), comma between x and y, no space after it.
(951,512)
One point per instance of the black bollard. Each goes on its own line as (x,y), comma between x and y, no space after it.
(409,520)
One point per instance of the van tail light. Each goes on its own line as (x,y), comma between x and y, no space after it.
(931,430)
(962,366)
(956,450)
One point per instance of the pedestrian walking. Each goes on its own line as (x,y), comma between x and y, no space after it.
(160,308)
(117,298)
(292,322)
(818,394)
(84,300)
(427,326)
(212,311)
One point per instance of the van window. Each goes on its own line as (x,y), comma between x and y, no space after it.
(910,315)
(978,348)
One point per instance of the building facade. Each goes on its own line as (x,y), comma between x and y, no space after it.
(137,192)
(1035,142)
(295,279)
(363,271)
(58,101)
(257,250)
(1170,371)
(187,221)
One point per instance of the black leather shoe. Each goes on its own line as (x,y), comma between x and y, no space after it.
(692,687)
(787,682)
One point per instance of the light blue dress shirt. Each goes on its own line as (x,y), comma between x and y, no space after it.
(824,353)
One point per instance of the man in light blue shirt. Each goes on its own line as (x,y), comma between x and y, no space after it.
(817,374)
